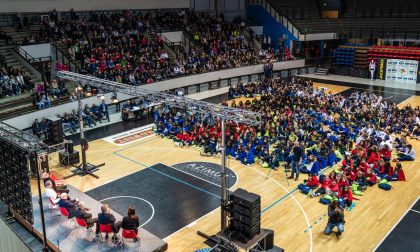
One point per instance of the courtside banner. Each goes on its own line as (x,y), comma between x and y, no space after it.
(131,136)
(381,69)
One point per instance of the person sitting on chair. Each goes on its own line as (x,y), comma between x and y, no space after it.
(131,221)
(69,204)
(46,176)
(106,217)
(51,193)
(81,212)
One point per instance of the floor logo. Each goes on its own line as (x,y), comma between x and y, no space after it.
(207,171)
(130,136)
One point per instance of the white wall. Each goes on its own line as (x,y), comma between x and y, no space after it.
(213,76)
(257,29)
(175,36)
(38,51)
(65,5)
(318,36)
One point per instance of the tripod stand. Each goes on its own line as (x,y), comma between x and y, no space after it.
(84,168)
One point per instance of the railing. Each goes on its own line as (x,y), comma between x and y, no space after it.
(282,19)
(176,47)
(58,50)
(18,49)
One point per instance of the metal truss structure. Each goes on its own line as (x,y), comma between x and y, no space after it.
(201,107)
(223,113)
(21,139)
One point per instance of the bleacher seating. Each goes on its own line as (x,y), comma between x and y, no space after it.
(393,52)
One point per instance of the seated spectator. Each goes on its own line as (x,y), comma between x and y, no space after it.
(106,217)
(131,221)
(51,193)
(69,204)
(36,128)
(408,154)
(81,212)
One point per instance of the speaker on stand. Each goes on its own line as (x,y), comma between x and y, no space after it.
(245,214)
(54,130)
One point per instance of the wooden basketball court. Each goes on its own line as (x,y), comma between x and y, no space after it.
(298,221)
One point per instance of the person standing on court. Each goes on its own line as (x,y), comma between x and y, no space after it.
(296,160)
(372,67)
(335,218)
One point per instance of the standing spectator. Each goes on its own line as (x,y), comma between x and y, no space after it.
(296,160)
(47,72)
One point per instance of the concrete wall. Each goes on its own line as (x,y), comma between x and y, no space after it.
(175,36)
(213,76)
(8,6)
(38,51)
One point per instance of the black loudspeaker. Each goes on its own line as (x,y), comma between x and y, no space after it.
(70,146)
(67,159)
(268,242)
(245,214)
(54,130)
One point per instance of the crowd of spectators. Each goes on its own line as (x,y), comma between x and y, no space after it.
(123,46)
(14,81)
(91,115)
(308,130)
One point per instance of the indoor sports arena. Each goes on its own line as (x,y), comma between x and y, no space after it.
(209,125)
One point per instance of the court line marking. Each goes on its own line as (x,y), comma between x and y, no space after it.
(415,211)
(297,202)
(402,217)
(133,197)
(285,196)
(169,176)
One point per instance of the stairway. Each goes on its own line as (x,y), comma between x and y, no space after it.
(12,61)
(322,71)
(19,36)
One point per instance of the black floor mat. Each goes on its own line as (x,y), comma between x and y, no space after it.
(396,97)
(178,198)
(405,236)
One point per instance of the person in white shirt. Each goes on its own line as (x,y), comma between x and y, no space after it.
(372,67)
(51,193)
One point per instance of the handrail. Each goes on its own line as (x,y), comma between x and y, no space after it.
(18,49)
(66,54)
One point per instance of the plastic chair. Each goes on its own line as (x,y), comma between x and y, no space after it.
(64,215)
(107,229)
(130,234)
(57,181)
(84,226)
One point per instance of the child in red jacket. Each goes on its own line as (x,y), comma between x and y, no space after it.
(385,153)
(371,177)
(312,181)
(346,195)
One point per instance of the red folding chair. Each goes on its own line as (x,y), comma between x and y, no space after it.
(105,229)
(64,215)
(57,181)
(84,226)
(130,234)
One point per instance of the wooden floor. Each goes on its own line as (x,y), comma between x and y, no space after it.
(289,213)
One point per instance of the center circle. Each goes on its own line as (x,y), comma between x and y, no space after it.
(144,209)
